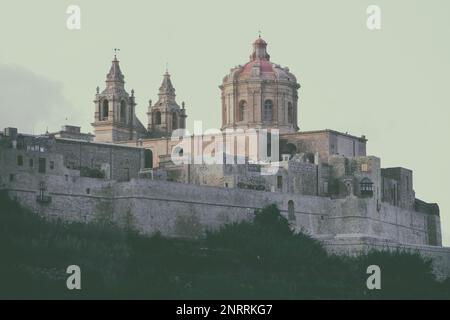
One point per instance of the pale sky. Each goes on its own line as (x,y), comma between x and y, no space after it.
(390,84)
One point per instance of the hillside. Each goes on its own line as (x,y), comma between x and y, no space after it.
(258,260)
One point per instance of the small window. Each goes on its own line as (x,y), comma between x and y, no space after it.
(52,165)
(88,191)
(366,187)
(31,163)
(11,177)
(157,117)
(242,109)
(20,160)
(174,121)
(148,159)
(104,112)
(291,210)
(268,110)
(123,111)
(364,167)
(279,182)
(42,165)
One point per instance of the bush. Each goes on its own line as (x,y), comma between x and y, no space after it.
(262,259)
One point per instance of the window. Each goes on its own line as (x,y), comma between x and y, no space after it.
(42,165)
(290,113)
(268,106)
(157,117)
(148,156)
(364,167)
(291,211)
(366,187)
(242,110)
(31,163)
(174,121)
(279,182)
(123,111)
(52,165)
(269,145)
(104,114)
(11,177)
(20,160)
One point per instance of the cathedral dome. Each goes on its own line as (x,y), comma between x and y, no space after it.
(260,94)
(260,66)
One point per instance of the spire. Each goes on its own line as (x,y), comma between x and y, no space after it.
(115,75)
(166,88)
(259,50)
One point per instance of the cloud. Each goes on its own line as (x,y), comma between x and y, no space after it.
(31,102)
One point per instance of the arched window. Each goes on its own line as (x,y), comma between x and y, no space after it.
(290,113)
(291,211)
(148,156)
(366,187)
(242,110)
(177,151)
(104,114)
(157,117)
(123,111)
(174,121)
(268,110)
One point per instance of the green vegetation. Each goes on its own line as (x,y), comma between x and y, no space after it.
(257,260)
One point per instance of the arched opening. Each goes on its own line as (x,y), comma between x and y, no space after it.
(290,113)
(366,187)
(242,110)
(174,121)
(123,111)
(177,153)
(148,159)
(291,211)
(104,114)
(268,110)
(291,149)
(157,117)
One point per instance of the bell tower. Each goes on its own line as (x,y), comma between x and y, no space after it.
(166,115)
(115,118)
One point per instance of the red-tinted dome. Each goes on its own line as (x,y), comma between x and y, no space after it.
(264,66)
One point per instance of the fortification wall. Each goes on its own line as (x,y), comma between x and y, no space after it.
(346,226)
(163,206)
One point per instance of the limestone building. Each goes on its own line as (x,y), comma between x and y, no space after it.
(323,181)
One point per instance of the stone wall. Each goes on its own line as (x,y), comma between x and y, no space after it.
(118,162)
(186,210)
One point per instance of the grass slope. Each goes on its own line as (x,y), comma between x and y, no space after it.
(258,260)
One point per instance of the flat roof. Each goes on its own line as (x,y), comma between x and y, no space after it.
(363,138)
